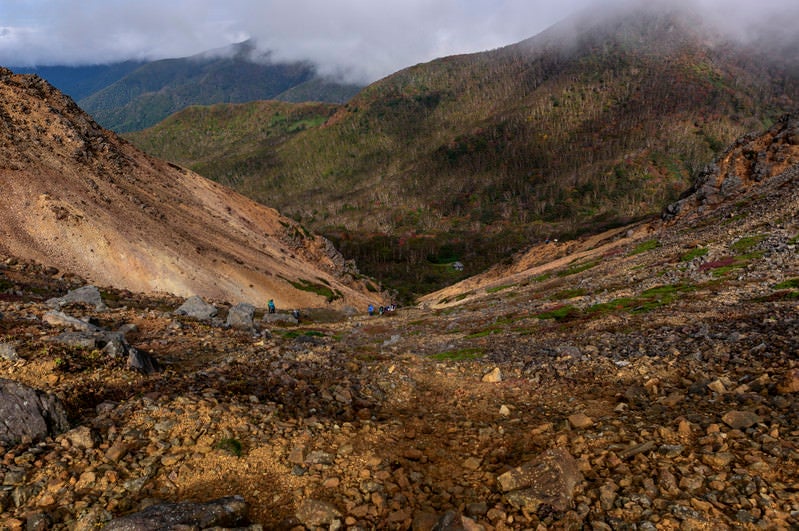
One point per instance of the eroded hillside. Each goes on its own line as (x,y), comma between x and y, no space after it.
(78,198)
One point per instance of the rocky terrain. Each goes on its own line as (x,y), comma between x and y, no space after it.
(79,199)
(645,378)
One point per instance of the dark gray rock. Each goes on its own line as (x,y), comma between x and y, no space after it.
(116,346)
(86,295)
(142,362)
(240,316)
(28,414)
(450,521)
(60,319)
(197,308)
(223,512)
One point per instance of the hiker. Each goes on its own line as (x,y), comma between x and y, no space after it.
(371,310)
(296,315)
(271,306)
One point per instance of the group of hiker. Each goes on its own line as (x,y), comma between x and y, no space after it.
(382,309)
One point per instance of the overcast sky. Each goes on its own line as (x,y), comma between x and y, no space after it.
(366,38)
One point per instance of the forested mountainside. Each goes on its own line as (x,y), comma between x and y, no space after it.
(599,120)
(137,94)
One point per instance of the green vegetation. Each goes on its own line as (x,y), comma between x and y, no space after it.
(648,300)
(561,313)
(496,289)
(484,333)
(643,247)
(459,355)
(293,334)
(230,445)
(579,268)
(792,283)
(694,253)
(320,289)
(746,244)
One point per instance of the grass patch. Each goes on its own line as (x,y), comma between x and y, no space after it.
(294,334)
(794,240)
(792,283)
(694,253)
(746,244)
(459,355)
(559,314)
(484,333)
(320,289)
(649,300)
(543,277)
(579,268)
(645,246)
(495,289)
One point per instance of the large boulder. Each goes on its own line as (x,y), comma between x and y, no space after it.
(86,295)
(197,308)
(240,316)
(229,512)
(27,414)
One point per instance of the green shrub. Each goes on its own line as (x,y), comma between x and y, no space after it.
(559,314)
(230,445)
(792,283)
(694,253)
(744,245)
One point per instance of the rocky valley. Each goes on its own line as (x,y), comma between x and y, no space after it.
(642,378)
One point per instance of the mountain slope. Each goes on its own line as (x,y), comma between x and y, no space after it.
(735,229)
(596,121)
(79,198)
(133,95)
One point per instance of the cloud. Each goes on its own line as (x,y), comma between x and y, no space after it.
(366,39)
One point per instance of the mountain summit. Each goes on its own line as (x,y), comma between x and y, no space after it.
(78,198)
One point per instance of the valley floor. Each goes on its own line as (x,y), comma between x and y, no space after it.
(680,416)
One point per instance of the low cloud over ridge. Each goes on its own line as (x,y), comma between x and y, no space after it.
(360,39)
